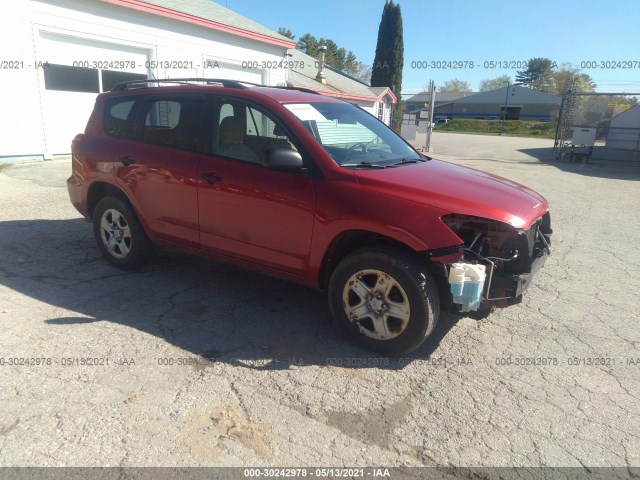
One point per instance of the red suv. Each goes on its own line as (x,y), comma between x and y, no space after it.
(306,187)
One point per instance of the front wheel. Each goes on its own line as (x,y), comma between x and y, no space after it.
(119,235)
(384,299)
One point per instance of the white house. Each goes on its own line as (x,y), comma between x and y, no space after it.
(303,73)
(58,54)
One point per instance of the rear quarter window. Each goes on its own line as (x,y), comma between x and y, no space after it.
(174,122)
(118,119)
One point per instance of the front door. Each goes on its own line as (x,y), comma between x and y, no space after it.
(245,210)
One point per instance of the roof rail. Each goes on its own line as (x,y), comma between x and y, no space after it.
(300,89)
(183,81)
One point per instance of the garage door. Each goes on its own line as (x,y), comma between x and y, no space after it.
(78,69)
(217,69)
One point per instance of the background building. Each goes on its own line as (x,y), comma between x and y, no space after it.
(62,53)
(522,104)
(303,72)
(624,130)
(421,100)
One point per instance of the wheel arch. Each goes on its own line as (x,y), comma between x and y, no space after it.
(349,241)
(98,190)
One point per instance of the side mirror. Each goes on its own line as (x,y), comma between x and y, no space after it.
(282,159)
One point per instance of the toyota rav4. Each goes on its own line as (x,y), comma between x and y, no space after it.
(306,187)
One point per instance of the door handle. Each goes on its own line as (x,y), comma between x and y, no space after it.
(210,177)
(126,160)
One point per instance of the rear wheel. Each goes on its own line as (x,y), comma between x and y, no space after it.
(384,299)
(119,235)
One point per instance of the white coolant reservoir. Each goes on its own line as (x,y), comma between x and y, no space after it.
(467,283)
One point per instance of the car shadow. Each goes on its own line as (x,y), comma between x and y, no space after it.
(597,167)
(213,311)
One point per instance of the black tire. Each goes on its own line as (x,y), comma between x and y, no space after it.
(406,280)
(131,247)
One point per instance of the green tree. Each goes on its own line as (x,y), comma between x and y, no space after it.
(336,57)
(561,77)
(455,85)
(308,44)
(494,83)
(389,58)
(537,75)
(285,32)
(351,64)
(361,71)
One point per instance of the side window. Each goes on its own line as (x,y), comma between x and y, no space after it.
(162,114)
(117,113)
(226,110)
(262,126)
(246,133)
(174,123)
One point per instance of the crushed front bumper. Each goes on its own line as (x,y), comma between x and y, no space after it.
(512,257)
(507,282)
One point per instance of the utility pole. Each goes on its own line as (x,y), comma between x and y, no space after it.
(431,107)
(506,104)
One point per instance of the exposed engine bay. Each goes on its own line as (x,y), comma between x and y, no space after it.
(498,261)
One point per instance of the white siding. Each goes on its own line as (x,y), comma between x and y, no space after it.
(624,130)
(627,119)
(332,134)
(21,122)
(367,106)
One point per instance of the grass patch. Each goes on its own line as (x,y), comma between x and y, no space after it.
(520,128)
(4,165)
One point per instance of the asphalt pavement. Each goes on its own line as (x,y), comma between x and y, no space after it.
(190,362)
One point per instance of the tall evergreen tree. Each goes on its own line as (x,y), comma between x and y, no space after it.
(286,33)
(336,57)
(537,75)
(308,44)
(389,58)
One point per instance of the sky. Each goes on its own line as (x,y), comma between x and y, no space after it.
(441,35)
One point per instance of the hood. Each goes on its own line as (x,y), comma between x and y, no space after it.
(460,190)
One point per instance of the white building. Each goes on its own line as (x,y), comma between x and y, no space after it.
(624,130)
(59,54)
(303,72)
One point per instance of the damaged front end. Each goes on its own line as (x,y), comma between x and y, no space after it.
(498,262)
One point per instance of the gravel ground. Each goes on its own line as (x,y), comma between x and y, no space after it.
(204,364)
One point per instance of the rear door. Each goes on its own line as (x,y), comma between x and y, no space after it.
(245,210)
(158,167)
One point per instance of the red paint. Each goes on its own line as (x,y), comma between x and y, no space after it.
(463,190)
(284,223)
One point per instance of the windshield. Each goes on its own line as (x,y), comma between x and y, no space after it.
(352,137)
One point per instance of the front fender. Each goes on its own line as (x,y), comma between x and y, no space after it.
(347,207)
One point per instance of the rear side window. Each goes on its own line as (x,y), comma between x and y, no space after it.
(174,123)
(118,117)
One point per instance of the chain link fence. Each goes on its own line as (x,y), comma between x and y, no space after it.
(615,118)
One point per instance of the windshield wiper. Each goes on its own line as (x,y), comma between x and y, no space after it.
(362,165)
(408,160)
